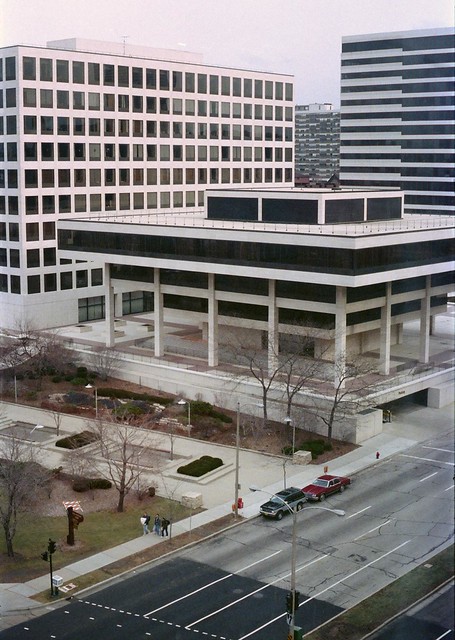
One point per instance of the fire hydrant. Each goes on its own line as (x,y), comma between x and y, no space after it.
(240,503)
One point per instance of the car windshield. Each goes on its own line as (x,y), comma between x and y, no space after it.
(276,500)
(321,483)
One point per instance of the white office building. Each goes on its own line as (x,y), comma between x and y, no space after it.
(97,128)
(397,116)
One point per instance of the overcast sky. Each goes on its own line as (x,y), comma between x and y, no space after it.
(300,37)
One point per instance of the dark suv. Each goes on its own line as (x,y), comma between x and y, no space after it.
(276,506)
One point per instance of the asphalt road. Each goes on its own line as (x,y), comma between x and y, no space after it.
(232,587)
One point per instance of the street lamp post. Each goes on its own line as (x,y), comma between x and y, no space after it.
(292,608)
(237,457)
(37,426)
(188,402)
(90,386)
(290,423)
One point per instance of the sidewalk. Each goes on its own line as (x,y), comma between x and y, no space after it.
(408,428)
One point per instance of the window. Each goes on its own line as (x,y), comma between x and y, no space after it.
(31,178)
(12,179)
(10,68)
(190,107)
(93,73)
(124,177)
(124,152)
(45,66)
(164,79)
(33,284)
(64,204)
(78,126)
(95,177)
(150,78)
(236,110)
(202,83)
(152,176)
(225,85)
(62,71)
(33,258)
(95,202)
(138,104)
(122,76)
(47,151)
(49,256)
(225,110)
(236,87)
(150,105)
(29,97)
(79,151)
(109,177)
(14,258)
(30,151)
(214,85)
(278,90)
(123,102)
(109,127)
(11,127)
(258,88)
(165,152)
(46,99)
(66,280)
(29,124)
(289,92)
(109,102)
(48,230)
(268,90)
(201,130)
(177,152)
(225,131)
(138,200)
(108,75)
(63,99)
(247,88)
(50,282)
(177,106)
(63,126)
(80,202)
(28,68)
(151,152)
(202,153)
(109,201)
(32,231)
(138,176)
(189,82)
(177,130)
(94,126)
(177,176)
(164,105)
(137,77)
(48,205)
(31,205)
(109,151)
(78,100)
(94,101)
(165,129)
(202,108)
(177,80)
(78,72)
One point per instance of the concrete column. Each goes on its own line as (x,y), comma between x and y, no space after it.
(425,322)
(212,337)
(158,314)
(109,306)
(273,336)
(340,337)
(118,305)
(386,321)
(399,333)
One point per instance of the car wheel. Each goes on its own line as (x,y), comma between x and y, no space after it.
(299,506)
(279,515)
(322,497)
(342,488)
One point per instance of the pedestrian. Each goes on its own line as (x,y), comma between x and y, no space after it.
(164,525)
(157,524)
(145,519)
(377,455)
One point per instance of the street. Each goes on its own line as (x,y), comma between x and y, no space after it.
(399,512)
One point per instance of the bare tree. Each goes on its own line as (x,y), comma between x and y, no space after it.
(20,477)
(105,361)
(119,455)
(355,382)
(56,416)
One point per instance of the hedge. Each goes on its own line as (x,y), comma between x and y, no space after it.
(110,392)
(85,484)
(200,467)
(76,441)
(316,447)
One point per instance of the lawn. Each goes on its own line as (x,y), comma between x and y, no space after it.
(100,530)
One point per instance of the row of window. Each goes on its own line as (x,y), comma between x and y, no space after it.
(152,129)
(46,257)
(66,203)
(94,73)
(48,281)
(78,100)
(405,59)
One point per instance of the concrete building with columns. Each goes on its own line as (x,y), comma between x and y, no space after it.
(345,267)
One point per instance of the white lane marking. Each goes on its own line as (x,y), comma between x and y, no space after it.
(210,584)
(403,455)
(446,633)
(436,449)
(251,633)
(427,477)
(448,488)
(265,586)
(357,512)
(371,530)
